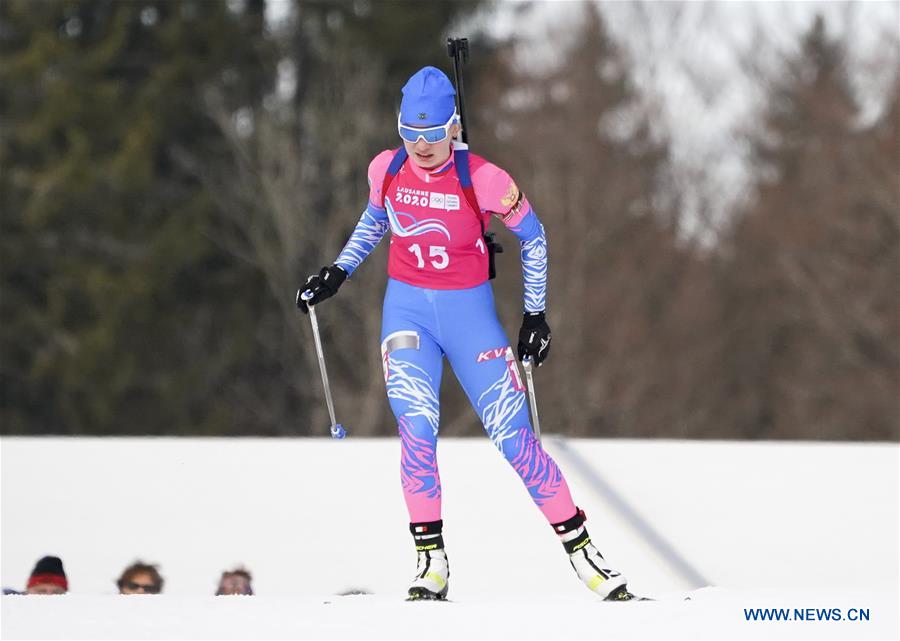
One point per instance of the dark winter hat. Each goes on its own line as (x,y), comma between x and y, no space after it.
(428,99)
(49,570)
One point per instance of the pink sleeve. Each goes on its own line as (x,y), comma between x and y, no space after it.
(377,169)
(498,193)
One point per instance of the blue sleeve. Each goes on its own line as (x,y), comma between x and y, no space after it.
(533,241)
(371,228)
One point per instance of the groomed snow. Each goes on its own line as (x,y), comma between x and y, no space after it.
(767,524)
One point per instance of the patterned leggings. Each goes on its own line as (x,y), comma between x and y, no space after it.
(420,327)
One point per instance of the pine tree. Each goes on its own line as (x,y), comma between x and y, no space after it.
(113,295)
(807,288)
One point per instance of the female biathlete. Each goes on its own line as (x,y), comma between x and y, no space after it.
(436,199)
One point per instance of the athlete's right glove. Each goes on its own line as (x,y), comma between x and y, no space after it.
(323,286)
(534,338)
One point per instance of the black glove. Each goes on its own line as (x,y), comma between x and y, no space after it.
(534,338)
(323,286)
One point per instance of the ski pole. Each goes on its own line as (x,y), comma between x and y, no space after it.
(526,363)
(337,430)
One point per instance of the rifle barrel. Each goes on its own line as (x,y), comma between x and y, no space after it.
(458,49)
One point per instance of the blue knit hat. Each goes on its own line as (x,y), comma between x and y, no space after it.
(429,99)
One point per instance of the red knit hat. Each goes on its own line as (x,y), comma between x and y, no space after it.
(49,570)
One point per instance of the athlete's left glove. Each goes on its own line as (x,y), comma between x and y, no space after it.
(323,286)
(534,338)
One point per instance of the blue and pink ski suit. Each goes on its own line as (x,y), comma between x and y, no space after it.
(439,303)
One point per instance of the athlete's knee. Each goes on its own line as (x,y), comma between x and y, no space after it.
(517,443)
(415,432)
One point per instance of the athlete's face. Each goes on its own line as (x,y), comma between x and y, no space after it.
(429,155)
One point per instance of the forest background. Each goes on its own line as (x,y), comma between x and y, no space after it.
(170,172)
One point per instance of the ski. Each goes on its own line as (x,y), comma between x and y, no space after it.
(421,594)
(622,594)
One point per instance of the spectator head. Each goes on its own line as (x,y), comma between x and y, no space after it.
(48,577)
(140,578)
(236,581)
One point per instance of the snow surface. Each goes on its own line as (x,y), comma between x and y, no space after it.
(768,524)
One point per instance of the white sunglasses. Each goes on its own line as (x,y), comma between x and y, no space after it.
(430,135)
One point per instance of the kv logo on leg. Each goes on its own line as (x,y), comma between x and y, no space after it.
(491,354)
(506,354)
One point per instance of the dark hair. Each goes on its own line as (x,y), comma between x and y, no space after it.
(238,571)
(139,567)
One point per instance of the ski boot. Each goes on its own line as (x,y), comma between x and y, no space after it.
(588,563)
(432,569)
